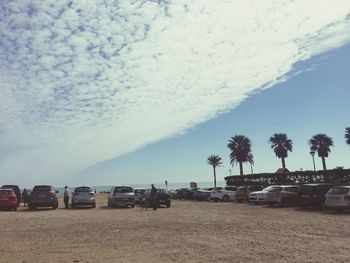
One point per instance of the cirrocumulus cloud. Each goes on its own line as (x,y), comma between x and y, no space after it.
(87,81)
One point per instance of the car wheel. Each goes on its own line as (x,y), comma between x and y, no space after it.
(14,208)
(226,198)
(94,205)
(168,205)
(132,206)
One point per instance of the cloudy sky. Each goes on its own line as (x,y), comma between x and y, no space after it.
(136,91)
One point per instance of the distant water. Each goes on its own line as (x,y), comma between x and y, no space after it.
(105,188)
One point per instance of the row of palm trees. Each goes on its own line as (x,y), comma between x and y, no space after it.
(240,147)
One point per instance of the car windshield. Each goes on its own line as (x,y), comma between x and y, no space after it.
(6,192)
(123,189)
(83,189)
(268,188)
(241,188)
(339,190)
(42,188)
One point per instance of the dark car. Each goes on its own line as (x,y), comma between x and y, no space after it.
(313,195)
(186,193)
(202,194)
(17,191)
(163,198)
(43,196)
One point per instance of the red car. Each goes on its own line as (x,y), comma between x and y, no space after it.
(8,199)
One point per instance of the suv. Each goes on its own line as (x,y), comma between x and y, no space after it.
(242,192)
(43,196)
(163,198)
(121,196)
(283,195)
(313,195)
(83,196)
(225,194)
(17,191)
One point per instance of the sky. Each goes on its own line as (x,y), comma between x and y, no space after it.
(126,92)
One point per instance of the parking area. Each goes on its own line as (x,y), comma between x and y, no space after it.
(189,231)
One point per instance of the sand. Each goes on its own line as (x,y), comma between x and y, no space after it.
(189,231)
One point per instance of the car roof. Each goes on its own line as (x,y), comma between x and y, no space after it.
(320,184)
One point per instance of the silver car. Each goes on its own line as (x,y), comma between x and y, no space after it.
(83,196)
(338,198)
(121,196)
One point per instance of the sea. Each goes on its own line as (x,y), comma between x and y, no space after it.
(105,188)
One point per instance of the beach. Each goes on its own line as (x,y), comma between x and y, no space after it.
(189,231)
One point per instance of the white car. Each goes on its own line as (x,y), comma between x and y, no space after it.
(225,193)
(83,196)
(338,198)
(258,197)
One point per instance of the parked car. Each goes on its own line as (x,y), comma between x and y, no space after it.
(8,199)
(202,194)
(185,193)
(258,197)
(338,198)
(121,196)
(43,196)
(173,193)
(284,195)
(83,196)
(313,195)
(138,194)
(17,191)
(225,193)
(163,198)
(242,192)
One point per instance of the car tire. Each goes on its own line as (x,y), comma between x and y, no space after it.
(94,205)
(168,205)
(14,208)
(225,198)
(132,206)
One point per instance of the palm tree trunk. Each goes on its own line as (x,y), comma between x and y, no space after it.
(214,176)
(283,163)
(240,168)
(324,163)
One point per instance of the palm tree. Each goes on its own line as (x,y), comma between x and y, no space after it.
(347,135)
(214,160)
(281,145)
(241,152)
(321,144)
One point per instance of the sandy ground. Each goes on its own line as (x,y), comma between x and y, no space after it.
(189,231)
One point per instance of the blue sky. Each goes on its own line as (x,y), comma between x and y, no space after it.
(102,92)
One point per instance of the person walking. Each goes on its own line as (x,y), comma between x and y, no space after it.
(154,197)
(66,197)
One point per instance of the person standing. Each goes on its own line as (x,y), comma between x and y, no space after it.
(25,197)
(154,197)
(66,197)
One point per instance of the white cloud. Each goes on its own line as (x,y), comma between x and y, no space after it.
(86,81)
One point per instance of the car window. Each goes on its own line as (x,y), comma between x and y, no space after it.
(338,190)
(242,188)
(231,188)
(83,189)
(290,189)
(6,192)
(42,188)
(274,189)
(123,189)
